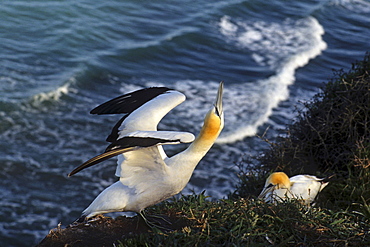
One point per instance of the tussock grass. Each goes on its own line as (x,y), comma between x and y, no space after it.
(256,223)
(331,135)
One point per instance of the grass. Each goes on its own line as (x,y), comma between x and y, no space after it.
(331,135)
(256,223)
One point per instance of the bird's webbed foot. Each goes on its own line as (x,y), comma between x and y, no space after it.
(155,222)
(84,220)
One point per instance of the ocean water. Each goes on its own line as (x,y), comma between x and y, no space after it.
(59,59)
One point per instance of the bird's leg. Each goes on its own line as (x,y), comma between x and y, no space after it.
(95,218)
(161,218)
(152,224)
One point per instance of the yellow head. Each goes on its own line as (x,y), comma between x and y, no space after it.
(276,181)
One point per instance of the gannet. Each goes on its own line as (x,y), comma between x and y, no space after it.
(146,175)
(279,187)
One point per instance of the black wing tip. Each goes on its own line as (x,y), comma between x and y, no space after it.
(135,142)
(126,104)
(131,100)
(99,158)
(73,172)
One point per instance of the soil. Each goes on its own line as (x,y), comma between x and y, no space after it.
(105,231)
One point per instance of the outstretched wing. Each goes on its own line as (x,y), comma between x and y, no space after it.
(129,102)
(135,141)
(143,108)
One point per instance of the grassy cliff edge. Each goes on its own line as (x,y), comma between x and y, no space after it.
(331,135)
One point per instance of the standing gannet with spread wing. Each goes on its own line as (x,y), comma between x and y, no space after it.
(146,175)
(279,187)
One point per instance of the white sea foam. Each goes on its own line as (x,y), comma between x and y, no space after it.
(283,47)
(227,28)
(56,94)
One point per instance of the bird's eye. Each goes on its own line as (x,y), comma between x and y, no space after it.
(269,186)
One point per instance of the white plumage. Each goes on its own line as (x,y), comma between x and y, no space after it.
(146,175)
(279,187)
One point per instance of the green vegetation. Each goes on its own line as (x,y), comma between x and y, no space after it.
(331,135)
(255,223)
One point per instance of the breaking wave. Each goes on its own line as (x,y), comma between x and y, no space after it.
(283,47)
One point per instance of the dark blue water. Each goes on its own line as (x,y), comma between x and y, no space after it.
(59,59)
